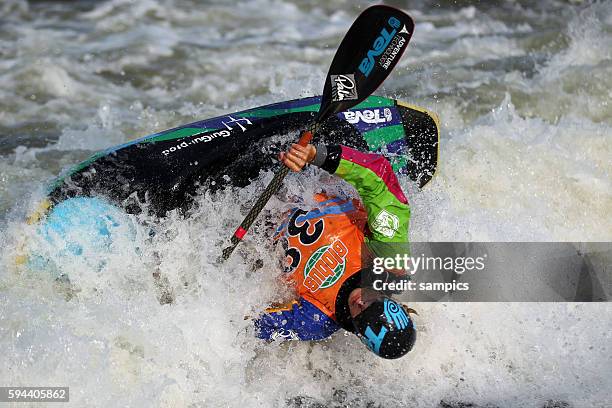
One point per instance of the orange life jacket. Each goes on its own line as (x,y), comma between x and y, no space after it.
(324,247)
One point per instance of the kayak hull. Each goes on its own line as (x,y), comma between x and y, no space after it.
(164,169)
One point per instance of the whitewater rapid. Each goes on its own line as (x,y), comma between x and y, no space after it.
(523,92)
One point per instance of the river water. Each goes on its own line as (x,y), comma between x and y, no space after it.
(523,91)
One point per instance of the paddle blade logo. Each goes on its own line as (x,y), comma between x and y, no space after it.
(388,44)
(343,87)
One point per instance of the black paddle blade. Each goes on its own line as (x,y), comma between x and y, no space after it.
(367,54)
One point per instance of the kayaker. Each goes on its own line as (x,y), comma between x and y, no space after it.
(329,250)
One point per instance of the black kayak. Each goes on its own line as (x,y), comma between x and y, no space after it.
(165,169)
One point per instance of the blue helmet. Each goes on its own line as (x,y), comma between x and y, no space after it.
(385,328)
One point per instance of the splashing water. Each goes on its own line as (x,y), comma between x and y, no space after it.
(523,92)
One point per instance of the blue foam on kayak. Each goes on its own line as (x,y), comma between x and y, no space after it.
(83,225)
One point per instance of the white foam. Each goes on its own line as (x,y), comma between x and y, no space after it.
(524,156)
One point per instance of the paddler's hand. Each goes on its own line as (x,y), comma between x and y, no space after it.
(298,156)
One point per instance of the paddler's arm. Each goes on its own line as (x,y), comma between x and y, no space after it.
(373,177)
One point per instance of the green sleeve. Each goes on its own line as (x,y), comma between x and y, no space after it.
(386,206)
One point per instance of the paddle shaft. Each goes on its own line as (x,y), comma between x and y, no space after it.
(263,199)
